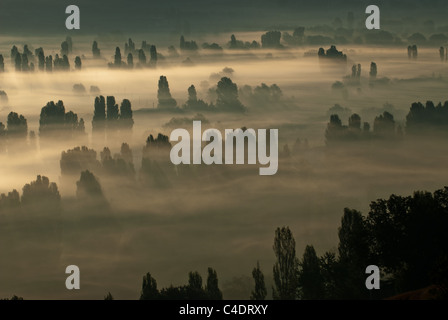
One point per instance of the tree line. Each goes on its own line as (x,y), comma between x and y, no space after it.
(420,120)
(26,61)
(403,235)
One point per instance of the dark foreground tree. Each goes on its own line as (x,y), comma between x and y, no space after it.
(195,291)
(212,288)
(149,288)
(311,281)
(286,267)
(259,292)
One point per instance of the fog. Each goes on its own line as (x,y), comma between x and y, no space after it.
(223,217)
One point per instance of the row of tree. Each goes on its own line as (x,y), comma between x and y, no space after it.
(131,53)
(156,169)
(55,122)
(79,159)
(270,39)
(194,290)
(26,61)
(37,193)
(403,236)
(107,116)
(384,128)
(421,119)
(226,92)
(16,130)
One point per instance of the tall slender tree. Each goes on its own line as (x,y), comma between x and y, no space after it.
(259,292)
(212,288)
(286,267)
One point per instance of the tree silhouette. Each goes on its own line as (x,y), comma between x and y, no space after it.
(111,112)
(10,200)
(49,64)
(25,66)
(65,63)
(149,288)
(194,288)
(259,292)
(126,121)
(213,46)
(64,48)
(310,279)
(2,138)
(117,57)
(78,63)
(427,119)
(53,118)
(141,57)
(227,99)
(2,64)
(75,160)
(28,52)
(41,58)
(154,165)
(332,275)
(14,53)
(384,125)
(52,114)
(95,50)
(414,51)
(373,70)
(99,114)
(354,253)
(354,122)
(262,95)
(187,45)
(408,236)
(17,125)
(164,95)
(286,267)
(88,189)
(120,164)
(335,130)
(129,47)
(18,62)
(193,103)
(130,60)
(192,291)
(233,43)
(271,39)
(145,46)
(153,56)
(353,242)
(212,289)
(41,192)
